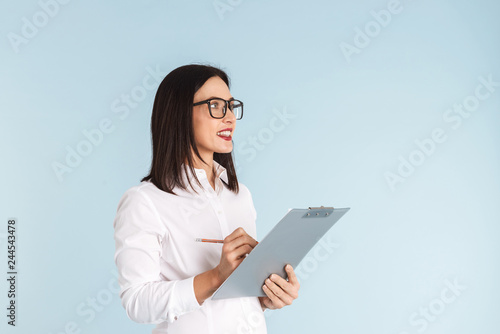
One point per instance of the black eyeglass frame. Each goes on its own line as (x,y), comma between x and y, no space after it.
(225,107)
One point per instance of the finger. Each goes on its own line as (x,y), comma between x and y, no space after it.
(275,302)
(236,233)
(292,278)
(240,241)
(278,292)
(246,239)
(268,303)
(289,288)
(241,251)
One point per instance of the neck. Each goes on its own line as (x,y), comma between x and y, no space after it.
(208,166)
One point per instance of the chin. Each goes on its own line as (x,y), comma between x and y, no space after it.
(226,150)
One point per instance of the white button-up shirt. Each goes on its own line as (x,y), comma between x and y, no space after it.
(157,256)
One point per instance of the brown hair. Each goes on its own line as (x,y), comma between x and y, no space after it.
(172,132)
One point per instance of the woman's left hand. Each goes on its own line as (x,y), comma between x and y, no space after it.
(280,292)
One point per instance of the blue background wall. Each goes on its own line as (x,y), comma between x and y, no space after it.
(390,108)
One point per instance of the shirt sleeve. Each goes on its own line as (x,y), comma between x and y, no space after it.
(139,234)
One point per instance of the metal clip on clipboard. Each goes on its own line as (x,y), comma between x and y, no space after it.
(318,212)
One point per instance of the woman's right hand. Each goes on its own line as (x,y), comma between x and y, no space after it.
(234,250)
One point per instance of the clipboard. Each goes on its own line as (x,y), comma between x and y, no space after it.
(288,242)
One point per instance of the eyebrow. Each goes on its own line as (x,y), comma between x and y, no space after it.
(216,97)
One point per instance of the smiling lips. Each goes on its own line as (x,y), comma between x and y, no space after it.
(226,134)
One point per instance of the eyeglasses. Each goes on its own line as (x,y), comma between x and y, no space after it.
(217,107)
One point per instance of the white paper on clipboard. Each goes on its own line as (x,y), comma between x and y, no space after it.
(288,242)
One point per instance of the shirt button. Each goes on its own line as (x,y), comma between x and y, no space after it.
(219,212)
(175,318)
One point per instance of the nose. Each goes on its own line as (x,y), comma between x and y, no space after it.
(230,116)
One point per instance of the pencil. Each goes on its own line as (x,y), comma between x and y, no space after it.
(215,241)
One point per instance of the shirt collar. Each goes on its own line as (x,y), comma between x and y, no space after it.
(220,174)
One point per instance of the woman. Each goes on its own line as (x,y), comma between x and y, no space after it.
(166,277)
